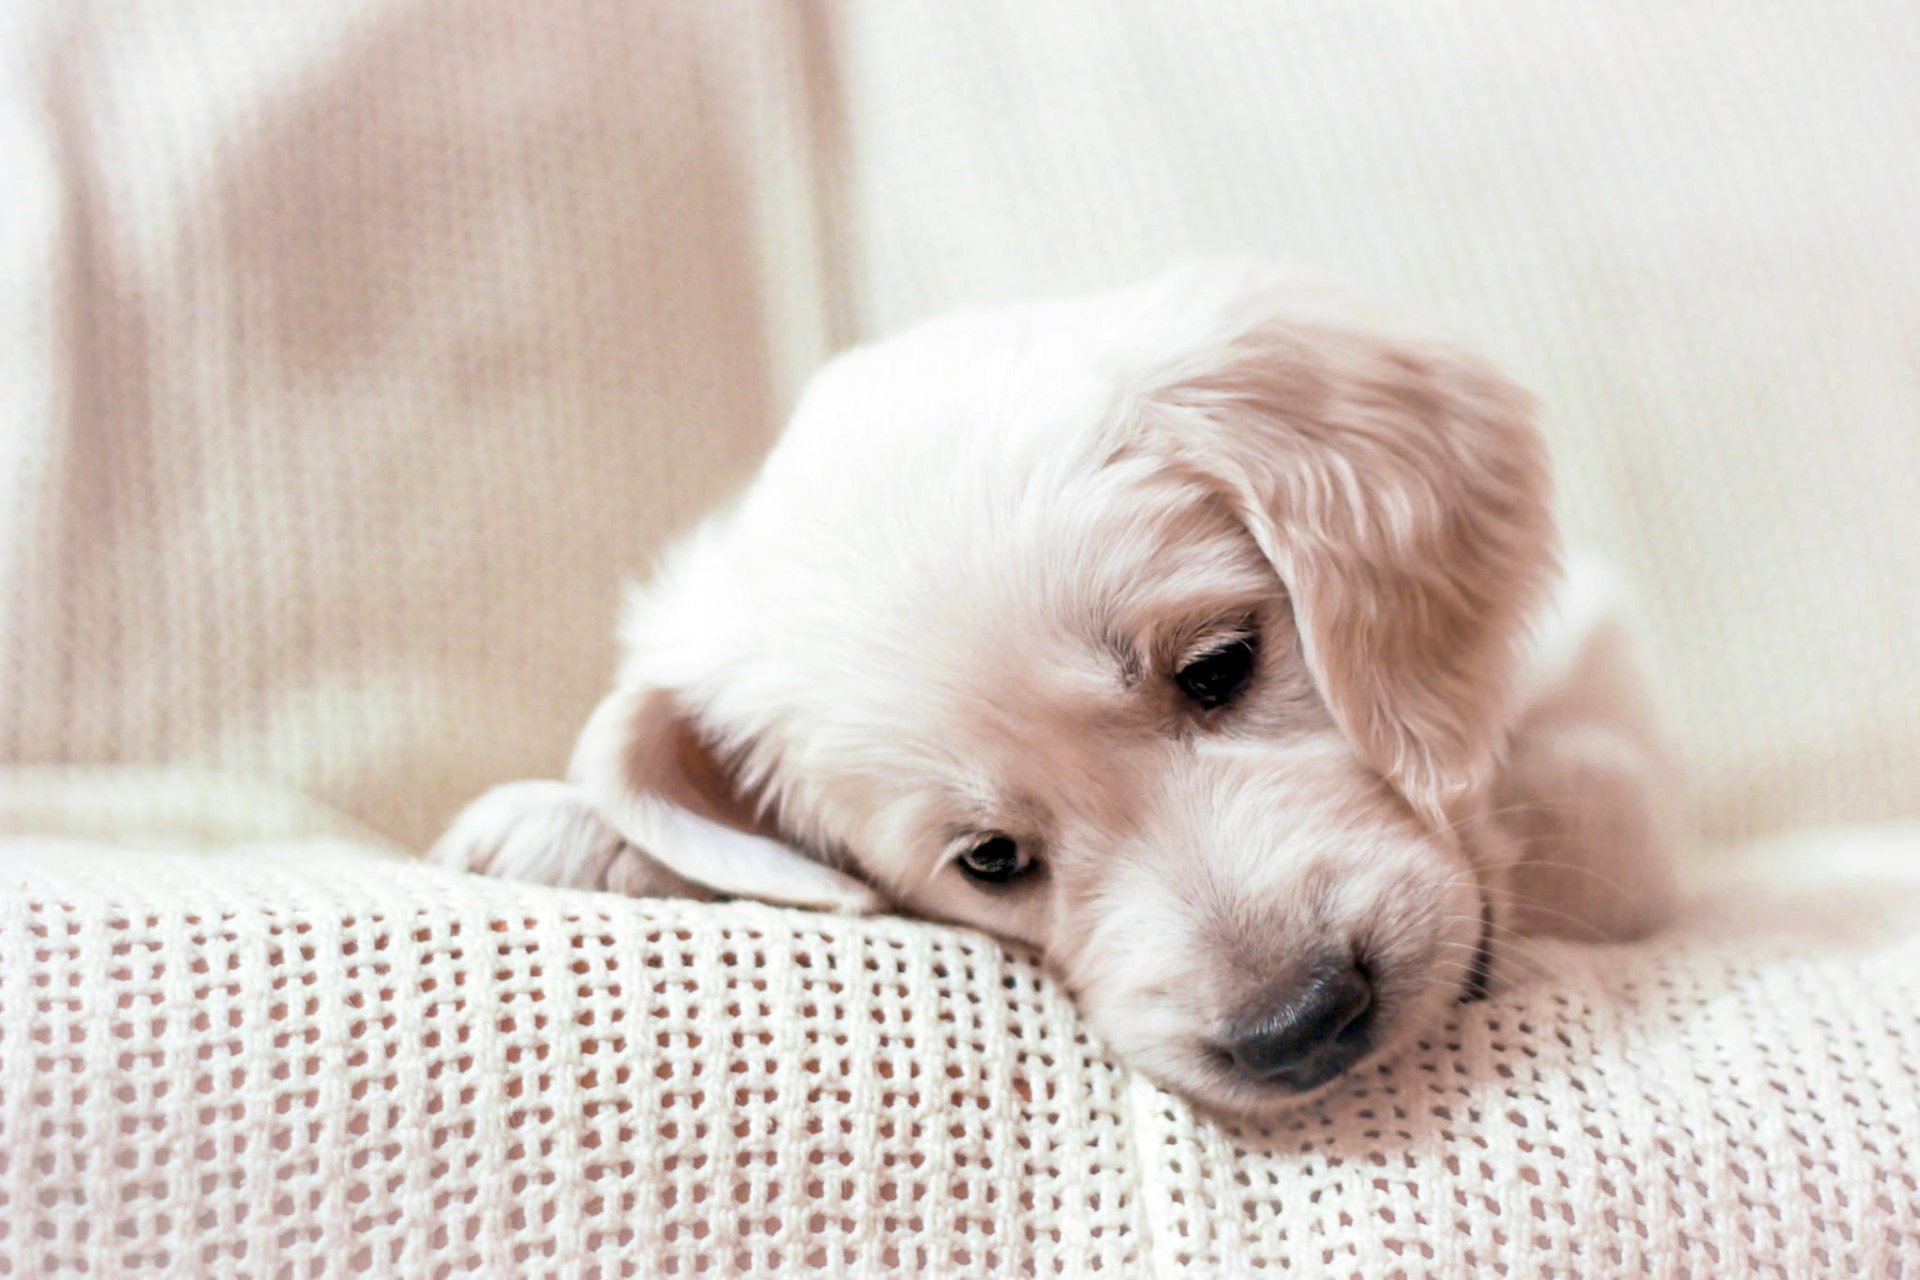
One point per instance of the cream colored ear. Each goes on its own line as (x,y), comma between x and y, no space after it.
(1401,493)
(644,767)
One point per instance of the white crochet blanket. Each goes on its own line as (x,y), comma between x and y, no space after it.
(310,1060)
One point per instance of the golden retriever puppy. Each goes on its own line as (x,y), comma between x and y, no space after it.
(1211,644)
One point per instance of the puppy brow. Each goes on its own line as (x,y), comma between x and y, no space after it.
(965,807)
(1199,626)
(1210,639)
(1131,661)
(1153,644)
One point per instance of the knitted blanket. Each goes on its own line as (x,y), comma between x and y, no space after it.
(308,1060)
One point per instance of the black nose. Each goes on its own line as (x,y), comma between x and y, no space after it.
(1309,1032)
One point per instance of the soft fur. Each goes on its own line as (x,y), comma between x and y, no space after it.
(952,603)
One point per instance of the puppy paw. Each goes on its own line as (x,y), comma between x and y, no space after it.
(543,832)
(547,833)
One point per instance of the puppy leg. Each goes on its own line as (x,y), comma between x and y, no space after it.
(1586,806)
(547,833)
(1589,793)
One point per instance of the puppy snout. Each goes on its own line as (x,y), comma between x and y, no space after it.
(1308,1031)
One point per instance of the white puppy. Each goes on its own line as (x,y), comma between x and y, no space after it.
(1205,641)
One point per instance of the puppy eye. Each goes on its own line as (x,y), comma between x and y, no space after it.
(996,860)
(1212,679)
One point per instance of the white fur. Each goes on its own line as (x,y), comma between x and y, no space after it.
(951,604)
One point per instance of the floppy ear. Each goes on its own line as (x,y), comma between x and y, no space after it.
(644,766)
(1401,493)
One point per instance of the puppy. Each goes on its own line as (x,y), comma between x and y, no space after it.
(1210,643)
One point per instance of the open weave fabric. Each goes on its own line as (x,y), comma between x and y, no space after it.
(312,1061)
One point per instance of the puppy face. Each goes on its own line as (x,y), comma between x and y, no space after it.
(1167,631)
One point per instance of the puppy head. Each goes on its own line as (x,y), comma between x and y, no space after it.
(1168,631)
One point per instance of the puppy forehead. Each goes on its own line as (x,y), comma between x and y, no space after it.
(982,398)
(995,449)
(943,570)
(1039,601)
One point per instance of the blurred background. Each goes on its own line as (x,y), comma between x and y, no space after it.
(353,353)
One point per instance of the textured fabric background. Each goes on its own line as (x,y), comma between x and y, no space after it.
(356,353)
(1690,227)
(323,1063)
